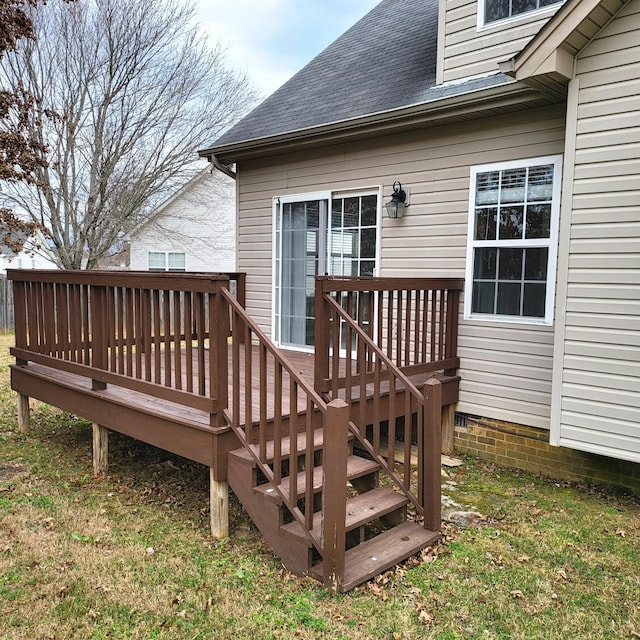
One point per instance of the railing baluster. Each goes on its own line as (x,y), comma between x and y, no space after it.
(277,422)
(177,339)
(248,377)
(263,402)
(129,338)
(138,338)
(157,332)
(407,328)
(166,329)
(309,464)
(188,336)
(235,370)
(86,324)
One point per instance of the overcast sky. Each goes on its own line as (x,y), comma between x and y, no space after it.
(273,39)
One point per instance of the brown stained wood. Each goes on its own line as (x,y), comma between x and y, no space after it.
(381,553)
(136,415)
(334,493)
(431,479)
(100,450)
(360,510)
(356,468)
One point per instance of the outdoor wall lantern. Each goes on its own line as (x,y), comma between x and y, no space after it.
(398,203)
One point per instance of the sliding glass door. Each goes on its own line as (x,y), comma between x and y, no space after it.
(321,233)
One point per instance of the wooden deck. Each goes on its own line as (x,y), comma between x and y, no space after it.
(158,421)
(175,361)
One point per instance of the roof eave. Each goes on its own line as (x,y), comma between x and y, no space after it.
(439,111)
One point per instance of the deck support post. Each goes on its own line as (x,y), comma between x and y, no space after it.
(100,450)
(219,505)
(432,446)
(23,413)
(448,423)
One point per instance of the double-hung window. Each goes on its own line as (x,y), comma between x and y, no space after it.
(166,261)
(513,230)
(494,10)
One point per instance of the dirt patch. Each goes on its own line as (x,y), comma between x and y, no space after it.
(9,472)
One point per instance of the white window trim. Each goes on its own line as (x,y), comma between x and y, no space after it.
(519,17)
(318,195)
(552,242)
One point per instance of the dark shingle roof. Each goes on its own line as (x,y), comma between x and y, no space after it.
(385,61)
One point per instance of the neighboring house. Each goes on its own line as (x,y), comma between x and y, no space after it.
(29,258)
(194,230)
(515,130)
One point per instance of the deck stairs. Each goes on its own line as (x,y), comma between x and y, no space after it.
(378,532)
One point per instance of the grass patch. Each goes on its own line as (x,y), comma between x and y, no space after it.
(129,555)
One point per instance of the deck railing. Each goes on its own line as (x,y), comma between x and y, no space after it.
(413,321)
(162,334)
(389,333)
(285,446)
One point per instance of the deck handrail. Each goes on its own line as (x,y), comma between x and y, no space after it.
(246,332)
(393,374)
(387,331)
(128,328)
(413,320)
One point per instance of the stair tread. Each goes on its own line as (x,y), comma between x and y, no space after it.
(356,467)
(285,448)
(363,508)
(374,556)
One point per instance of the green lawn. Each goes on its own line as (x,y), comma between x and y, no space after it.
(129,556)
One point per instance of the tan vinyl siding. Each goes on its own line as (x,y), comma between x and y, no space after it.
(597,374)
(506,367)
(469,52)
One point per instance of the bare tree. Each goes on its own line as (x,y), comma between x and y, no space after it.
(19,154)
(135,90)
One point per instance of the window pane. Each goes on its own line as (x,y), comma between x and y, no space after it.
(538,221)
(540,183)
(513,182)
(313,214)
(510,264)
(484,267)
(509,298)
(511,223)
(336,213)
(157,261)
(520,6)
(351,212)
(484,294)
(496,10)
(487,186)
(499,9)
(369,210)
(176,262)
(298,215)
(486,224)
(535,266)
(534,300)
(368,243)
(366,267)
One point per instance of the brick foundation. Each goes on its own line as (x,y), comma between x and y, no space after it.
(527,448)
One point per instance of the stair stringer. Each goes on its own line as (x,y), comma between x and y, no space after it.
(296,556)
